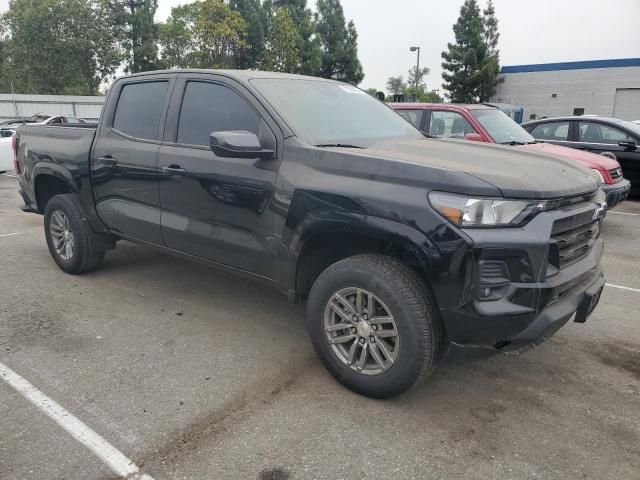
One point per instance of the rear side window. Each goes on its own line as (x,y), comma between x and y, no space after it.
(596,133)
(413,116)
(209,107)
(139,108)
(558,131)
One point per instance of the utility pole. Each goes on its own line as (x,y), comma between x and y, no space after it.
(417,73)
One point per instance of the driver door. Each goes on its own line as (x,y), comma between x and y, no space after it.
(214,207)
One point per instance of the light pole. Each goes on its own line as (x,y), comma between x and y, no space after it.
(417,74)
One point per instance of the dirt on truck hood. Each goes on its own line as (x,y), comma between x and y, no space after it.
(515,172)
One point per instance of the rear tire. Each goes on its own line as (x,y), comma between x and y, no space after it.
(72,244)
(388,311)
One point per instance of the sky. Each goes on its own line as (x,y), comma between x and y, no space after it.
(532,31)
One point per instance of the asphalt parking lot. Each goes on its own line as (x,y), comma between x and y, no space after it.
(195,374)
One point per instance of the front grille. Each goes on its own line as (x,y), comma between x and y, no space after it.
(572,238)
(615,174)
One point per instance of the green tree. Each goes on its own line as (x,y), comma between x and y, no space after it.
(396,85)
(308,43)
(94,40)
(175,38)
(60,46)
(491,68)
(338,43)
(202,34)
(424,96)
(281,50)
(36,56)
(423,72)
(142,33)
(464,59)
(471,64)
(255,15)
(491,35)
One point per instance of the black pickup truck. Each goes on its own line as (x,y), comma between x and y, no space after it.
(408,250)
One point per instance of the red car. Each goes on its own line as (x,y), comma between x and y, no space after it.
(483,123)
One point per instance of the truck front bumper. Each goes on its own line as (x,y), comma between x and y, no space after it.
(533,300)
(616,192)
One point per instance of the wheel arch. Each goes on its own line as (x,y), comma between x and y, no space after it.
(50,180)
(324,241)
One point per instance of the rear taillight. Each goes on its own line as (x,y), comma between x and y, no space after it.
(14,146)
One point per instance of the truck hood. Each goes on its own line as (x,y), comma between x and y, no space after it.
(588,159)
(517,173)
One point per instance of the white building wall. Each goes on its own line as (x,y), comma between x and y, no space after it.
(20,106)
(591,89)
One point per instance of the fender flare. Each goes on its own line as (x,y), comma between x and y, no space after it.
(380,228)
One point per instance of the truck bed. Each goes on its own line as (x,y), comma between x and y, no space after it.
(68,147)
(61,151)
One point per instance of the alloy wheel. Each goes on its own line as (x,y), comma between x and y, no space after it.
(361,331)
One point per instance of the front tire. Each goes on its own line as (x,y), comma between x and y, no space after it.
(71,242)
(374,325)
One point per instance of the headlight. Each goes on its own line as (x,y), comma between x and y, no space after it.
(484,212)
(598,175)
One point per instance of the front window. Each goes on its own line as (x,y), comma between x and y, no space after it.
(502,128)
(328,113)
(590,132)
(449,125)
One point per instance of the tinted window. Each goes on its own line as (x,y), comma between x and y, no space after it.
(449,124)
(558,131)
(139,107)
(597,133)
(413,116)
(207,107)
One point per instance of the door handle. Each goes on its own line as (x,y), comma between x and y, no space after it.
(174,170)
(108,160)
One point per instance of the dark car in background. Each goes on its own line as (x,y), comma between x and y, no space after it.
(488,124)
(597,135)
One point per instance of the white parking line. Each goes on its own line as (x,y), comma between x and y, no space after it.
(626,213)
(12,176)
(637,290)
(10,234)
(113,458)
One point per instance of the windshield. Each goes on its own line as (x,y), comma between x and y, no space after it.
(502,128)
(632,126)
(329,113)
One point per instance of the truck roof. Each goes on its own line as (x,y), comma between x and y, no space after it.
(242,75)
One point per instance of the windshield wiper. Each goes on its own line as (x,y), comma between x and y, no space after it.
(341,145)
(513,142)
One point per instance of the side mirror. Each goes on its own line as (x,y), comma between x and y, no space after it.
(238,144)
(473,137)
(629,145)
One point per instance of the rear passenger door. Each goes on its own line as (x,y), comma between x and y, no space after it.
(124,159)
(214,207)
